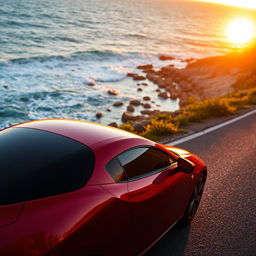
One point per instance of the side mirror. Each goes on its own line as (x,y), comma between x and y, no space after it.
(185,165)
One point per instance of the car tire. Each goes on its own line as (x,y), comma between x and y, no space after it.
(194,200)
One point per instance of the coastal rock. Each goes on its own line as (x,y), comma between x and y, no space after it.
(166,57)
(147,66)
(128,117)
(146,98)
(99,114)
(174,95)
(152,77)
(113,92)
(108,109)
(162,82)
(163,95)
(136,77)
(118,104)
(135,102)
(189,60)
(145,84)
(130,108)
(149,112)
(113,124)
(145,122)
(138,127)
(146,105)
(183,100)
(139,89)
(176,113)
(91,84)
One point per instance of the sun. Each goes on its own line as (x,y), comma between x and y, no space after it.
(241,31)
(250,4)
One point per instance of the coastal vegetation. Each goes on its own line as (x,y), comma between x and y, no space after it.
(164,124)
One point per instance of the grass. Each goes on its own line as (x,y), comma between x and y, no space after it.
(196,111)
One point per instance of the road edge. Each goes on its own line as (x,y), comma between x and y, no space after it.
(211,129)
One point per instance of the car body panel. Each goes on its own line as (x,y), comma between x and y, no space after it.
(10,213)
(91,134)
(103,217)
(157,203)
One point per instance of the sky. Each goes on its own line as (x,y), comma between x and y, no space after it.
(251,4)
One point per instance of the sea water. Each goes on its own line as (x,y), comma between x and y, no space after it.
(50,50)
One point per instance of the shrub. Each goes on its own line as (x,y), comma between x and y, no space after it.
(215,107)
(127,127)
(159,128)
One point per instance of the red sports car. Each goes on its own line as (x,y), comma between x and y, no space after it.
(78,188)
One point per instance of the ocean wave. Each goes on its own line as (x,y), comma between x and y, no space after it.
(20,24)
(12,112)
(142,36)
(80,55)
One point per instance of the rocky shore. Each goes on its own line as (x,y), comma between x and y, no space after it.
(200,79)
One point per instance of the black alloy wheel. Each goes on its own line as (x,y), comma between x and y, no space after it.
(194,200)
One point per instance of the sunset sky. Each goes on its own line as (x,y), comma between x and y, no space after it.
(240,3)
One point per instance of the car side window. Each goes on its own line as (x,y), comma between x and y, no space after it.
(143,161)
(116,170)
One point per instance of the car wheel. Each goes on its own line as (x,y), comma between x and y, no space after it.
(194,200)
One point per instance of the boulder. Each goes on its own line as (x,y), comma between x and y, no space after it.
(91,84)
(149,112)
(113,124)
(147,66)
(99,114)
(136,77)
(166,57)
(130,108)
(118,104)
(138,127)
(113,92)
(176,113)
(146,98)
(145,84)
(183,100)
(146,105)
(152,77)
(135,102)
(145,122)
(139,89)
(174,95)
(108,109)
(163,95)
(128,117)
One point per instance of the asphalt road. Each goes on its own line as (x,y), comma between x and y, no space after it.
(225,223)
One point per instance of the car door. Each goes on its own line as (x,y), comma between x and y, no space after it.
(157,193)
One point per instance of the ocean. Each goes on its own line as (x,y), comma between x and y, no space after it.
(50,50)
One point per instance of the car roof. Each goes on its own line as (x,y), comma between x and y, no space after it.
(91,134)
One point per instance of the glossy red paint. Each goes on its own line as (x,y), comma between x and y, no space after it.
(103,217)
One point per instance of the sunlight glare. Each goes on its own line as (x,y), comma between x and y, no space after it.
(250,4)
(240,31)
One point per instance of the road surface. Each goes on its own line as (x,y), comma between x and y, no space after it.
(225,223)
